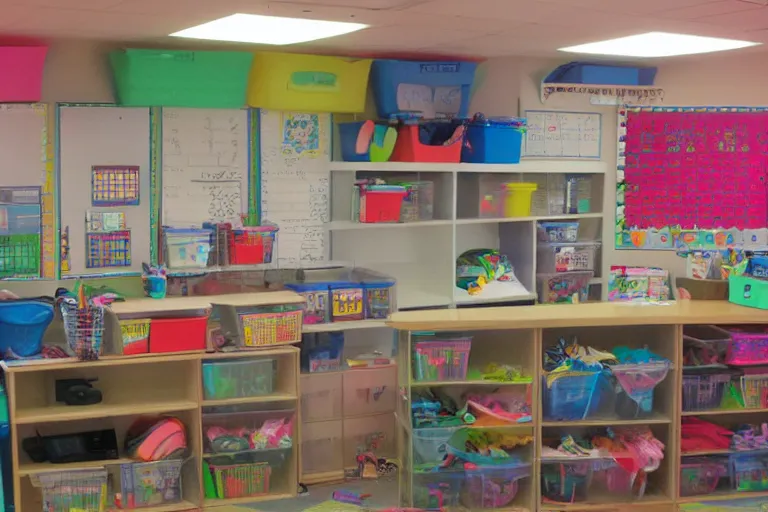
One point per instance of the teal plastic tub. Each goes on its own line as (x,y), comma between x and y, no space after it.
(172,78)
(748,291)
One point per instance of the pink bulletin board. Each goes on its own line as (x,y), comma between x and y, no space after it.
(692,176)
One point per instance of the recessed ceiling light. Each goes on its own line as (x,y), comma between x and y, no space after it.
(252,28)
(659,44)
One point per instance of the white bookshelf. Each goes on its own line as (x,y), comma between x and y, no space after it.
(422,255)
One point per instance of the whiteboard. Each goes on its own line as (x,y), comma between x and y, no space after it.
(102,137)
(205,166)
(295,176)
(23,164)
(553,134)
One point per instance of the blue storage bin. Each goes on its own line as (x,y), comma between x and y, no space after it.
(317,305)
(346,301)
(22,325)
(377,297)
(600,74)
(572,396)
(434,88)
(493,142)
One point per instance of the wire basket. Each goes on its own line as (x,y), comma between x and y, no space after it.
(700,476)
(754,389)
(84,328)
(241,480)
(151,484)
(65,491)
(704,392)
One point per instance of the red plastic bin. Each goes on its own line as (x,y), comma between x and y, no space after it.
(251,246)
(177,334)
(409,148)
(381,205)
(21,73)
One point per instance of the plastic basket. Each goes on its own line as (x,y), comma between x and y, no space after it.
(430,444)
(571,395)
(419,201)
(238,378)
(555,232)
(378,299)
(747,349)
(252,246)
(240,480)
(84,329)
(517,202)
(749,472)
(437,490)
(22,325)
(381,205)
(151,484)
(566,482)
(494,487)
(265,329)
(704,392)
(495,141)
(563,287)
(566,256)
(317,297)
(68,491)
(700,476)
(187,248)
(436,361)
(135,334)
(754,389)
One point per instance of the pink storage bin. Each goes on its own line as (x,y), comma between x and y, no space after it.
(320,396)
(21,73)
(748,346)
(370,390)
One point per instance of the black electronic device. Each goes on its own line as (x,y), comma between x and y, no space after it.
(79,447)
(77,392)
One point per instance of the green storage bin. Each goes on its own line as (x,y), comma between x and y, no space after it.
(748,291)
(172,78)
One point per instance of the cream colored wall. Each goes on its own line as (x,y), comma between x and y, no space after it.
(78,71)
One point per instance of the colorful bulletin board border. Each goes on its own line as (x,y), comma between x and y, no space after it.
(155,184)
(254,177)
(711,203)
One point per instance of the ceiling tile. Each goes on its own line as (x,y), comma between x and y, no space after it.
(359,4)
(743,20)
(382,38)
(94,5)
(624,7)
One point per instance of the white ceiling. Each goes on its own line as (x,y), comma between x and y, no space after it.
(483,28)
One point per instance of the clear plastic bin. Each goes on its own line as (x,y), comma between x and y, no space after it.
(429,444)
(749,471)
(369,433)
(635,387)
(564,287)
(151,484)
(321,396)
(437,490)
(566,481)
(701,476)
(370,390)
(230,432)
(704,391)
(704,345)
(238,378)
(229,481)
(571,396)
(566,256)
(558,232)
(419,201)
(441,360)
(322,447)
(492,487)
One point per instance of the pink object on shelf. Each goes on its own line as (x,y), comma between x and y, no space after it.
(21,73)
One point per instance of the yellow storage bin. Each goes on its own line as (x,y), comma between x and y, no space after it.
(308,83)
(517,202)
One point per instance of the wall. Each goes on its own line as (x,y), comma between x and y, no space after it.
(78,71)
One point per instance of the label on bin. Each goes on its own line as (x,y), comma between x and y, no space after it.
(347,302)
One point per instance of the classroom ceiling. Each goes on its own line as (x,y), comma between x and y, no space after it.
(482,28)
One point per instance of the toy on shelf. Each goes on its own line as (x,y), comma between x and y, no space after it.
(155,281)
(367,141)
(476,268)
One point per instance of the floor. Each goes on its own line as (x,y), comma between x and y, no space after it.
(383,494)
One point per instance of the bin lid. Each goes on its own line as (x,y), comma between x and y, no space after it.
(521,186)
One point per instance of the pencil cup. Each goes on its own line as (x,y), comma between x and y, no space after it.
(155,286)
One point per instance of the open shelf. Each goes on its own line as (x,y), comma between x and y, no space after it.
(263,399)
(344,326)
(526,166)
(56,413)
(36,468)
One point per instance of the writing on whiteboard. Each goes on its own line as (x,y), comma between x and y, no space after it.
(295,189)
(205,166)
(552,134)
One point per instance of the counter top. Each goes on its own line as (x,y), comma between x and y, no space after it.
(578,315)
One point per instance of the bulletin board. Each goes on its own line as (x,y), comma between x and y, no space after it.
(556,134)
(27,194)
(206,166)
(104,189)
(692,176)
(295,183)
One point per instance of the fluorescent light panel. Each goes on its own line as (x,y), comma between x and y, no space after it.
(252,28)
(658,44)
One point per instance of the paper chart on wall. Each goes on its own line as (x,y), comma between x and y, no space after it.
(205,166)
(295,176)
(553,134)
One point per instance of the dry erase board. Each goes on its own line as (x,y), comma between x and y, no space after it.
(27,213)
(692,176)
(295,175)
(104,185)
(554,134)
(205,166)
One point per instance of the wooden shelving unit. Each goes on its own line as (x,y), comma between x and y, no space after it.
(519,336)
(131,387)
(422,255)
